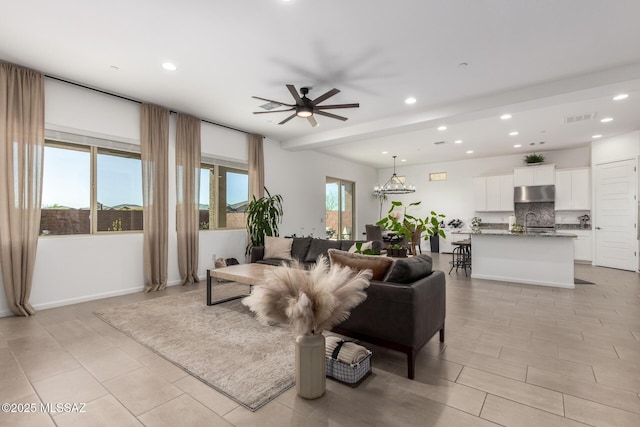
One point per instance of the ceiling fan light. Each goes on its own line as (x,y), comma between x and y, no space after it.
(304,112)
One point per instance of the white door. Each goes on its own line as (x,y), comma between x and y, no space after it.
(615,233)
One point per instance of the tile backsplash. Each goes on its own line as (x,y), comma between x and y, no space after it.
(545,213)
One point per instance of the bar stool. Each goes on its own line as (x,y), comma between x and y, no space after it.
(461,256)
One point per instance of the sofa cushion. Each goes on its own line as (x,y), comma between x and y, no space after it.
(320,247)
(277,247)
(346,244)
(378,264)
(408,270)
(300,247)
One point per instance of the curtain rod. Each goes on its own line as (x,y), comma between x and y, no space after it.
(137,101)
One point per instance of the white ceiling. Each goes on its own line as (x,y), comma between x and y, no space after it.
(539,60)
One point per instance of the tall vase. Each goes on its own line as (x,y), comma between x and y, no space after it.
(310,366)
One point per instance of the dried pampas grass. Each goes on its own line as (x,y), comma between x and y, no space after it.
(309,301)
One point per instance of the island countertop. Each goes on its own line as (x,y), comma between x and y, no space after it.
(494,232)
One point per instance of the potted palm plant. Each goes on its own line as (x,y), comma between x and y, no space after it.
(263,216)
(412,227)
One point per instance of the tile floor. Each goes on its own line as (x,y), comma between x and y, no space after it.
(514,355)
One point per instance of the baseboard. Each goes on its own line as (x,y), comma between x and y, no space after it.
(517,280)
(86,298)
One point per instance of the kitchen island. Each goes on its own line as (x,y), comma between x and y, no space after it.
(535,258)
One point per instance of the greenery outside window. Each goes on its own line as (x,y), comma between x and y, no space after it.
(340,209)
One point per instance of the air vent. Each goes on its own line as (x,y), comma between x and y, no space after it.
(580,118)
(270,106)
(439,142)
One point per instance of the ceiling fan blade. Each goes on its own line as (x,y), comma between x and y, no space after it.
(312,121)
(327,95)
(333,116)
(271,100)
(287,119)
(273,111)
(326,107)
(295,95)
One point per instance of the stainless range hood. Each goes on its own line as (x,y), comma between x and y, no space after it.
(534,193)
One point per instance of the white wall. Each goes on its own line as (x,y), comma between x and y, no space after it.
(71,269)
(619,147)
(300,177)
(454,197)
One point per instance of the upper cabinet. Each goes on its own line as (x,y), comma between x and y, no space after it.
(573,189)
(493,193)
(480,193)
(534,175)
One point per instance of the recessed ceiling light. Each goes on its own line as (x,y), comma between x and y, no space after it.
(596,136)
(470,152)
(514,133)
(410,100)
(621,97)
(442,128)
(607,120)
(385,152)
(517,146)
(457,141)
(505,116)
(169,66)
(403,160)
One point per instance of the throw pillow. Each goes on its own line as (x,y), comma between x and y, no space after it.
(365,245)
(378,264)
(277,247)
(408,270)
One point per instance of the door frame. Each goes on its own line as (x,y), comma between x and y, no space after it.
(594,205)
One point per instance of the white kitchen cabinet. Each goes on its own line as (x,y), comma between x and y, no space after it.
(493,193)
(573,189)
(582,251)
(534,175)
(480,193)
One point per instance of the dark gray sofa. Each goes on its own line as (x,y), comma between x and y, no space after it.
(402,312)
(307,249)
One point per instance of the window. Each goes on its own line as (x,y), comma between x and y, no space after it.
(118,191)
(224,195)
(81,183)
(340,212)
(66,189)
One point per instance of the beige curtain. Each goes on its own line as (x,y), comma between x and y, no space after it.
(21,153)
(154,144)
(188,195)
(256,167)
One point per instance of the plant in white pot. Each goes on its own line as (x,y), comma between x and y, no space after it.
(309,302)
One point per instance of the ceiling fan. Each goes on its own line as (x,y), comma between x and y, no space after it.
(305,107)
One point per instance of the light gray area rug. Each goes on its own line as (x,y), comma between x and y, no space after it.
(222,345)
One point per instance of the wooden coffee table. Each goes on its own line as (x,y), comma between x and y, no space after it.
(249,274)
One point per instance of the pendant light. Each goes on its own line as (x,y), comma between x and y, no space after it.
(395,185)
